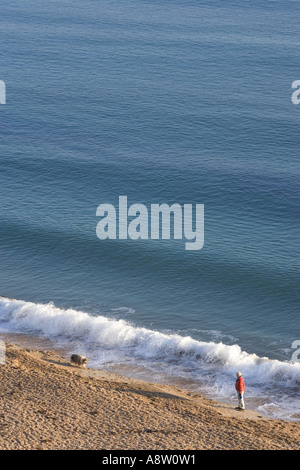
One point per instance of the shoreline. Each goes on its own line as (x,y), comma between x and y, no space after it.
(28,341)
(47,403)
(191,375)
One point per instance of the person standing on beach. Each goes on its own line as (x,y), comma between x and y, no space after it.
(240,388)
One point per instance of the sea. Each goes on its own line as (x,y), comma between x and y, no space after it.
(185,102)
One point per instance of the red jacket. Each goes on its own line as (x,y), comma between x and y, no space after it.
(240,385)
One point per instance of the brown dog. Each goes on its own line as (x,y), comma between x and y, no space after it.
(78,360)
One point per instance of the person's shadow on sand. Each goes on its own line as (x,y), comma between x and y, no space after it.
(151,394)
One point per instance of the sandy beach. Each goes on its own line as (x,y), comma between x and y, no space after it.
(47,403)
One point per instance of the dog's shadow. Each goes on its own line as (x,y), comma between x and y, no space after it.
(59,363)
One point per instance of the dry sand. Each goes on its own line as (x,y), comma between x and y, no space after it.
(46,403)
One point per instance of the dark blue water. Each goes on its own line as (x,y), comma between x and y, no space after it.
(164,102)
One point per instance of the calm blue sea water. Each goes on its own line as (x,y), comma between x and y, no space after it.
(164,102)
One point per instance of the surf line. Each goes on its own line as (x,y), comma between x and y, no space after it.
(133,222)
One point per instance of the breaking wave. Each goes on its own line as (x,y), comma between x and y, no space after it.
(109,341)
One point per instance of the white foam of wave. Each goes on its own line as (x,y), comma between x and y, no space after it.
(106,334)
